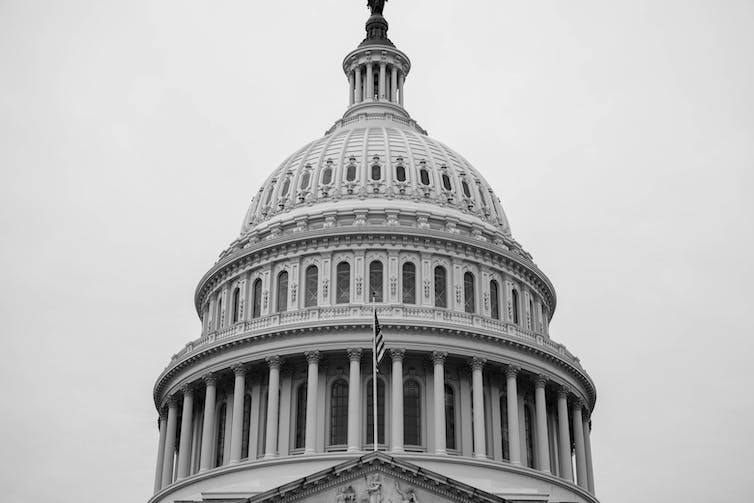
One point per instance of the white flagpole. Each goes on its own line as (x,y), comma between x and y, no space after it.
(374,376)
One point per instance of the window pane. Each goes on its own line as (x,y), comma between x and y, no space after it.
(450,418)
(411,413)
(380,412)
(245,434)
(351,173)
(257,309)
(220,441)
(504,424)
(286,186)
(529,437)
(468,292)
(376,172)
(375,280)
(311,286)
(409,283)
(514,296)
(300,417)
(343,286)
(305,180)
(446,182)
(282,304)
(236,303)
(400,173)
(466,190)
(441,297)
(494,300)
(424,176)
(339,413)
(327,176)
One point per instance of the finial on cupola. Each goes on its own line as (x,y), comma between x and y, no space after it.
(376,25)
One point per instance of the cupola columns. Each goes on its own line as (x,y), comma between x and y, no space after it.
(273,402)
(167,462)
(511,383)
(239,391)
(312,357)
(354,400)
(208,427)
(541,412)
(477,397)
(438,358)
(184,448)
(566,466)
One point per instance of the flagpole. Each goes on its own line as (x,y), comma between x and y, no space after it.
(374,377)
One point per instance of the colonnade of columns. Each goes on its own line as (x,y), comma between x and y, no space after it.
(376,81)
(570,418)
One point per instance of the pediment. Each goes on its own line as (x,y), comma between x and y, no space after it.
(375,478)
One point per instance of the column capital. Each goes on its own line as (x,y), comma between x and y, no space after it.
(239,369)
(578,403)
(397,354)
(512,370)
(438,357)
(173,402)
(312,356)
(477,363)
(354,354)
(187,390)
(210,379)
(563,392)
(540,381)
(274,362)
(163,415)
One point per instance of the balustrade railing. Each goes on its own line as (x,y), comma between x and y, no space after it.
(388,313)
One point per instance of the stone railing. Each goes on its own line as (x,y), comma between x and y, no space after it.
(388,313)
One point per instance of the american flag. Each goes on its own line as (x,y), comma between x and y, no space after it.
(379,340)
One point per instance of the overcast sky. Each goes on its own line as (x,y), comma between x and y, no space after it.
(619,136)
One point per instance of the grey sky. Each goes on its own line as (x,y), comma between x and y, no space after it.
(619,136)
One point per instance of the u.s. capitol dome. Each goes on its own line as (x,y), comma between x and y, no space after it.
(475,401)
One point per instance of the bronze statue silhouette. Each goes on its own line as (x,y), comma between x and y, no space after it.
(376,6)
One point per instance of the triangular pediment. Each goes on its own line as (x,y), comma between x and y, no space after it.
(375,478)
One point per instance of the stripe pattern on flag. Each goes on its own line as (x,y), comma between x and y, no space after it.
(379,340)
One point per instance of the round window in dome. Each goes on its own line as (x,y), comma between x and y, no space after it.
(446,182)
(400,173)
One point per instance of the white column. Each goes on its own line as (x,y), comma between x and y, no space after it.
(401,80)
(359,87)
(383,81)
(396,432)
(578,436)
(564,447)
(588,445)
(354,400)
(394,83)
(163,422)
(511,391)
(351,80)
(208,426)
(370,83)
(477,395)
(184,448)
(273,402)
(438,358)
(167,462)
(236,434)
(312,357)
(542,437)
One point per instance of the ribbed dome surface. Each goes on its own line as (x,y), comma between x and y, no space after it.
(376,157)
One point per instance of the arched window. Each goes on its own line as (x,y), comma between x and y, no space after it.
(466,191)
(450,417)
(412,419)
(311,284)
(514,296)
(380,412)
(339,413)
(400,173)
(269,194)
(529,436)
(494,300)
(343,283)
(282,299)
(409,283)
(286,186)
(327,176)
(220,439)
(305,180)
(256,310)
(376,172)
(469,304)
(424,176)
(504,424)
(351,173)
(446,182)
(441,287)
(531,315)
(246,423)
(300,440)
(236,303)
(375,280)
(220,323)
